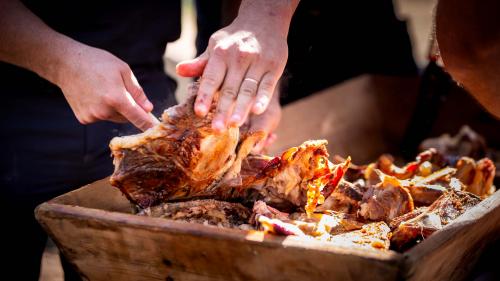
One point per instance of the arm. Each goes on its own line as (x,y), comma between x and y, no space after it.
(468,34)
(244,60)
(96,84)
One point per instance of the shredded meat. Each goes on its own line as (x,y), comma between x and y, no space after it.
(207,211)
(386,200)
(423,222)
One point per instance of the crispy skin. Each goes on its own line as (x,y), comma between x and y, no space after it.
(413,227)
(206,211)
(301,177)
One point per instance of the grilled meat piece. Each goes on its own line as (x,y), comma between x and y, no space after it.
(181,157)
(413,227)
(465,143)
(386,200)
(206,211)
(260,208)
(345,198)
(426,190)
(318,225)
(301,177)
(477,176)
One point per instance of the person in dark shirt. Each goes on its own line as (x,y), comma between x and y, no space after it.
(65,65)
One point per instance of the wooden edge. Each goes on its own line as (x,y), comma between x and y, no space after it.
(463,224)
(54,210)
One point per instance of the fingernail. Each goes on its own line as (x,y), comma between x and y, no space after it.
(219,126)
(149,106)
(201,109)
(257,108)
(235,119)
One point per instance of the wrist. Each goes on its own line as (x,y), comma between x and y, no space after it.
(271,15)
(59,62)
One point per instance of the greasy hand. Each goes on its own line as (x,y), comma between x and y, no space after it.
(244,60)
(100,86)
(266,122)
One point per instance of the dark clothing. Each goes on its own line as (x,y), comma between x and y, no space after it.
(46,152)
(332,41)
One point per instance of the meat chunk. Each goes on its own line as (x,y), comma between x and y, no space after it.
(301,177)
(414,227)
(207,211)
(477,176)
(386,200)
(181,157)
(345,198)
(318,225)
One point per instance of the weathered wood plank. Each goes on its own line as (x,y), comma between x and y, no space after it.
(116,246)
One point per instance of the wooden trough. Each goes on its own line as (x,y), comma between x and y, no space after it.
(95,229)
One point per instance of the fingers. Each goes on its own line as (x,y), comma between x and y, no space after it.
(265,92)
(135,90)
(133,112)
(211,80)
(246,96)
(228,95)
(192,68)
(261,145)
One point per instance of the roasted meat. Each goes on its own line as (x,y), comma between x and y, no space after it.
(181,157)
(206,211)
(386,200)
(345,198)
(414,227)
(273,221)
(183,170)
(301,177)
(465,143)
(476,176)
(339,229)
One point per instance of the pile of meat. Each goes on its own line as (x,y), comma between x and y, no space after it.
(182,170)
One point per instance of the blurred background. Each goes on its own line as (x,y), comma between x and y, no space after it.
(416,13)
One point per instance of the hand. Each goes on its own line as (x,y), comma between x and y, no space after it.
(244,60)
(100,86)
(266,122)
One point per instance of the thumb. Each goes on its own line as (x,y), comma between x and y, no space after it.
(192,68)
(136,91)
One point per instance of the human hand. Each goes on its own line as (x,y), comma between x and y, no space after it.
(245,61)
(266,122)
(100,86)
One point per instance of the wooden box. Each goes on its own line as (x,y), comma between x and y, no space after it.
(95,229)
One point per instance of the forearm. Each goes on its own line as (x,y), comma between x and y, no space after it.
(468,33)
(28,42)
